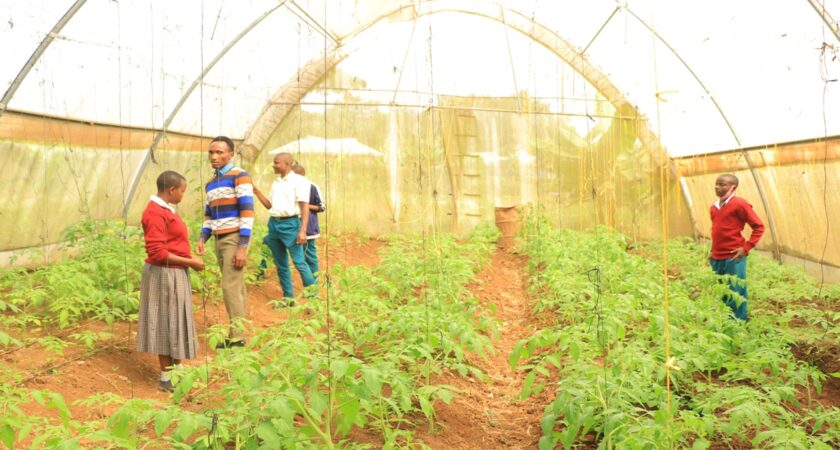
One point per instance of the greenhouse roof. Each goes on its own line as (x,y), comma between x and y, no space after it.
(708,76)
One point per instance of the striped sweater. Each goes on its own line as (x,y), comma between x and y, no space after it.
(230,205)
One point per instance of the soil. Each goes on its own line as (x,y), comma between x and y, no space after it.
(485,415)
(490,415)
(825,356)
(113,365)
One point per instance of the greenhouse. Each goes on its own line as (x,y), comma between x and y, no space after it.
(443,224)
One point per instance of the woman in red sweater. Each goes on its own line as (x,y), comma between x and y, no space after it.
(729,248)
(165,325)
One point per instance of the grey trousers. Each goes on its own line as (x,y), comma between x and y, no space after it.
(233,281)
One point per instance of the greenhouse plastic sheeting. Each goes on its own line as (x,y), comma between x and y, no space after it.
(462,106)
(58,184)
(800,183)
(499,162)
(709,63)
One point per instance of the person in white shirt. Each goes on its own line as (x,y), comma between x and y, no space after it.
(289,210)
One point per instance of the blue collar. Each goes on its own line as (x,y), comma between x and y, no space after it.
(224,169)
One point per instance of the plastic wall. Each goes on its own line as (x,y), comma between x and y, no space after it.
(801,184)
(389,177)
(581,171)
(62,172)
(452,164)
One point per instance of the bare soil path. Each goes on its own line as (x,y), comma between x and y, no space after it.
(490,415)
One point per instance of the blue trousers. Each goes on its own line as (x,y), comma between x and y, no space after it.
(310,253)
(281,239)
(738,288)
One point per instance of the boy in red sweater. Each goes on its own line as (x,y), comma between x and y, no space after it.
(729,248)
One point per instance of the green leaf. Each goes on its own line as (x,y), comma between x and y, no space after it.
(24,431)
(763,436)
(7,435)
(280,407)
(163,419)
(574,349)
(547,443)
(339,368)
(373,381)
(187,425)
(40,438)
(120,423)
(570,434)
(268,433)
(349,415)
(701,444)
(547,423)
(318,402)
(38,396)
(183,387)
(426,407)
(57,402)
(445,395)
(70,444)
(515,354)
(554,359)
(529,381)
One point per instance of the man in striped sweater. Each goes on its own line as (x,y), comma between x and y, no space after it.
(229,216)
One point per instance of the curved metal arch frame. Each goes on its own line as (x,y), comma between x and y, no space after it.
(282,102)
(771,221)
(832,25)
(36,55)
(328,63)
(150,153)
(255,140)
(274,111)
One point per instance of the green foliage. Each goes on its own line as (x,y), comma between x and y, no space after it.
(41,432)
(605,355)
(6,340)
(99,279)
(295,386)
(90,338)
(366,362)
(53,344)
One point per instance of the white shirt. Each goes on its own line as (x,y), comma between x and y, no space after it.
(160,202)
(286,192)
(720,205)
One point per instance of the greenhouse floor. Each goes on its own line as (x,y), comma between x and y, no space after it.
(484,415)
(490,415)
(79,373)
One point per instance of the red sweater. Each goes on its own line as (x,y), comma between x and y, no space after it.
(164,232)
(727,225)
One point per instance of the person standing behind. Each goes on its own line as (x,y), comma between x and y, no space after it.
(289,211)
(729,248)
(165,325)
(229,216)
(313,229)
